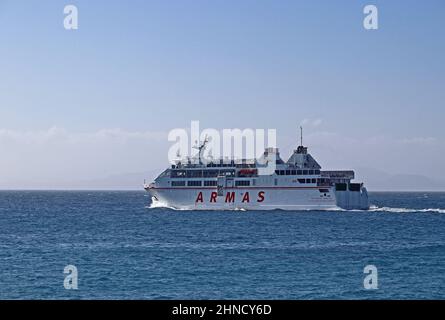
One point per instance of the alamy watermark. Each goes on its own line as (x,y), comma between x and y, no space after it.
(371,279)
(371,20)
(71,279)
(211,145)
(71,19)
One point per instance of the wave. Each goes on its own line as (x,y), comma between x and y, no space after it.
(405,210)
(156,204)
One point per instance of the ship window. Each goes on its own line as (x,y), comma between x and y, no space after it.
(210,173)
(293,172)
(276,181)
(302,180)
(287,172)
(317,171)
(282,172)
(194,173)
(210,183)
(178,174)
(299,172)
(178,183)
(242,183)
(194,183)
(254,182)
(311,171)
(277,172)
(314,180)
(166,173)
(304,171)
(308,180)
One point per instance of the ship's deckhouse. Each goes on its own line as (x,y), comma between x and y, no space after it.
(300,169)
(301,159)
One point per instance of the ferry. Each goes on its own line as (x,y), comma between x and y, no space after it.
(297,184)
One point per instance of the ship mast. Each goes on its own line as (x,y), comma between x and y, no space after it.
(300,148)
(301,136)
(201,148)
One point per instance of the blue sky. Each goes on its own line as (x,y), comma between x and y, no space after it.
(142,68)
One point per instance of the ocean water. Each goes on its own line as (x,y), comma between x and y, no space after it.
(123,249)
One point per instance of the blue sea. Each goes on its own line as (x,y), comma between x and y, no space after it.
(124,249)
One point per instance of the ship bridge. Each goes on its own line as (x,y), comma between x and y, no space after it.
(303,160)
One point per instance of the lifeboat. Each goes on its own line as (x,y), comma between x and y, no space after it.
(247,172)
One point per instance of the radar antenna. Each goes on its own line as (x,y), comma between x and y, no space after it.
(201,148)
(301,149)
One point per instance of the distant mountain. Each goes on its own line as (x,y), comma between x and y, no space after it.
(376,180)
(126,181)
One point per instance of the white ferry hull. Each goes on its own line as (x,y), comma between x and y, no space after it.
(284,198)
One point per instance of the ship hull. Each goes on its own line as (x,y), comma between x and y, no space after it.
(284,198)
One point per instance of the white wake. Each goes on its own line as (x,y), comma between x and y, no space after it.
(158,204)
(405,210)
